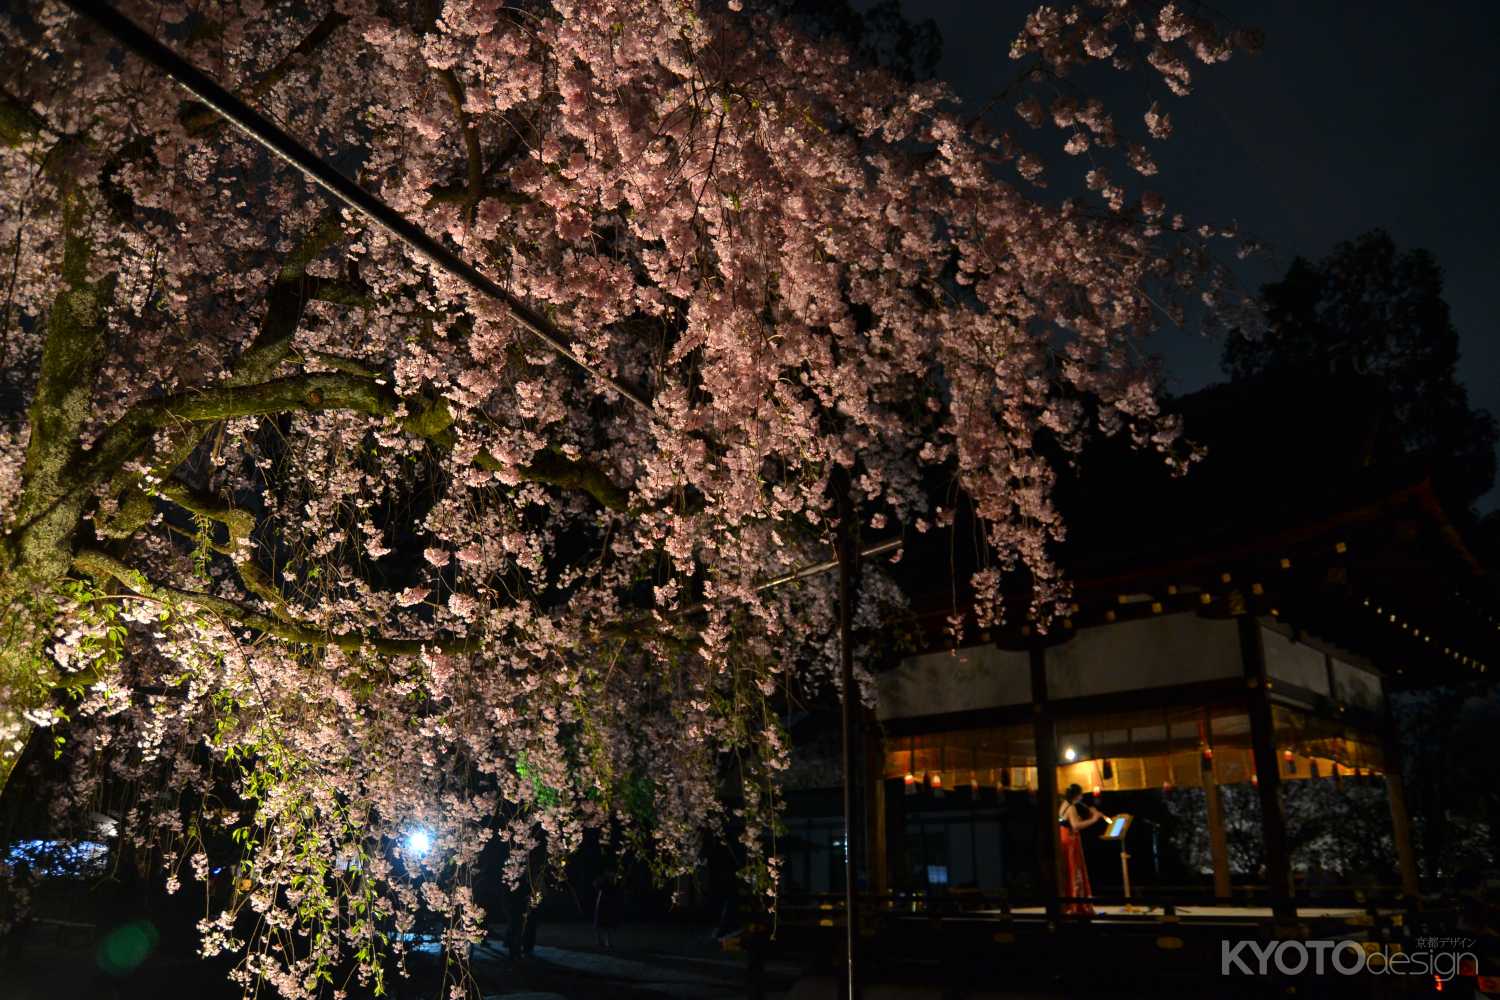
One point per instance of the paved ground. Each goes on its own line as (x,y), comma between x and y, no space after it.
(648,962)
(655,961)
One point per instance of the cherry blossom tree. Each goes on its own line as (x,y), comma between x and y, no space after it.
(307,543)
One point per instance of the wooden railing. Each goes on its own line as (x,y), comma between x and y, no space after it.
(1374,903)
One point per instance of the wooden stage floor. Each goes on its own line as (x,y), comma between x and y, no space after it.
(1206,912)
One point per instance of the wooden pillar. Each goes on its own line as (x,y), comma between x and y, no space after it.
(875,852)
(897,861)
(1044,735)
(1218,841)
(1267,769)
(1395,790)
(1406,855)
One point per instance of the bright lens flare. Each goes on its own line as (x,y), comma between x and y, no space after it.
(1070,754)
(418,842)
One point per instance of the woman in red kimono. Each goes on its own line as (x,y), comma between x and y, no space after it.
(1074,818)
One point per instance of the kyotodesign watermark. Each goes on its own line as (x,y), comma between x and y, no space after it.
(1344,958)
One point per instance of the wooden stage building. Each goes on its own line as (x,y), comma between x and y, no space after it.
(1227,667)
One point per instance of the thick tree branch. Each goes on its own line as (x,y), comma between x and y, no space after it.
(340,363)
(132,434)
(103,566)
(240,524)
(310,393)
(19,125)
(556,469)
(550,467)
(200,120)
(473,156)
(31,561)
(288,298)
(454,194)
(71,355)
(50,505)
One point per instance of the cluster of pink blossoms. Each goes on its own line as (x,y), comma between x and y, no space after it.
(400,566)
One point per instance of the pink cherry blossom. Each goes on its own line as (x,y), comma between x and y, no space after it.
(257,430)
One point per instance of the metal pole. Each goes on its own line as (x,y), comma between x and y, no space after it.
(804,573)
(274,138)
(817,569)
(847,558)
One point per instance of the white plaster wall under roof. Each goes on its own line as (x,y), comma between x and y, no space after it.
(1152,652)
(1358,686)
(1356,681)
(1146,653)
(972,677)
(1295,662)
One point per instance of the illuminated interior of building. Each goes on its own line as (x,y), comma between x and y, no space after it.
(1133,751)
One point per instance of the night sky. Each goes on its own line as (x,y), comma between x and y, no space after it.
(1355,116)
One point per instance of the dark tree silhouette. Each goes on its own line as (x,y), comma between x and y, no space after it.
(1446,735)
(1370,310)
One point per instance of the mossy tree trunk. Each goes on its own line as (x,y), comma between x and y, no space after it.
(37,551)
